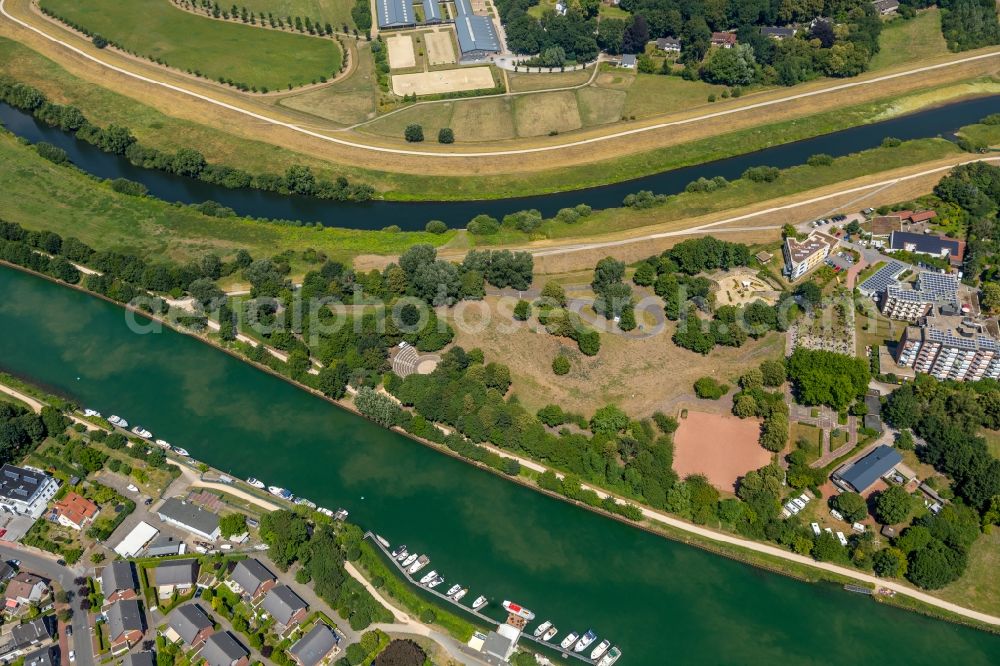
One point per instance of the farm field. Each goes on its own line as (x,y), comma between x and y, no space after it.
(336,12)
(240,53)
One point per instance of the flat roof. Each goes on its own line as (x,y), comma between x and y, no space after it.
(395,13)
(189,515)
(134,541)
(475,33)
(817,241)
(20,484)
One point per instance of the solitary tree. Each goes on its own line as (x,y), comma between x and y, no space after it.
(414,133)
(446,135)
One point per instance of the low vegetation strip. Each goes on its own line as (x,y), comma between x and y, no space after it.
(233,53)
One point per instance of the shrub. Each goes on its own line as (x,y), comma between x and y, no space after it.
(522,311)
(129,187)
(709,388)
(54,154)
(891,142)
(820,159)
(436,227)
(762,174)
(560,365)
(446,135)
(413,133)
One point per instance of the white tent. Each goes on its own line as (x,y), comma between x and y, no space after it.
(136,540)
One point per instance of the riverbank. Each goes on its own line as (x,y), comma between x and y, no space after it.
(229,135)
(755,553)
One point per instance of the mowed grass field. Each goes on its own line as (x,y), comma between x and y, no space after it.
(40,195)
(217,49)
(335,12)
(348,101)
(902,42)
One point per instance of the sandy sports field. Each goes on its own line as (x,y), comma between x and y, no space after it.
(720,446)
(401,53)
(440,50)
(446,80)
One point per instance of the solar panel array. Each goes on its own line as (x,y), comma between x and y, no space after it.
(938,287)
(882,278)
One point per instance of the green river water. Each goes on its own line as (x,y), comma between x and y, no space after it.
(662,602)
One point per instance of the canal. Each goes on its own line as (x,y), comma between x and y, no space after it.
(410,216)
(662,602)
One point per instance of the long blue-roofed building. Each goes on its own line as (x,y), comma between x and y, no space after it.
(395,13)
(477,37)
(432,11)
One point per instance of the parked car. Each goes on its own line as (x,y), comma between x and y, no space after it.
(72,655)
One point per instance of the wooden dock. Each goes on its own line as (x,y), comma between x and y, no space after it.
(466,609)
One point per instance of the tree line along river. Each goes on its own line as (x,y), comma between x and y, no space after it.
(414,215)
(662,602)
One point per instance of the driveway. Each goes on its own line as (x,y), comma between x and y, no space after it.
(46,566)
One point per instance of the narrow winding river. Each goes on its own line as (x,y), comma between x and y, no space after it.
(414,215)
(662,602)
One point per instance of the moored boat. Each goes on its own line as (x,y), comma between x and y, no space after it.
(611,657)
(550,634)
(141,432)
(255,483)
(163,444)
(396,553)
(428,577)
(453,589)
(91,412)
(403,556)
(410,559)
(601,648)
(340,514)
(437,581)
(585,640)
(569,640)
(117,421)
(278,491)
(302,501)
(518,610)
(325,511)
(422,561)
(479,602)
(380,539)
(181,452)
(542,628)
(461,593)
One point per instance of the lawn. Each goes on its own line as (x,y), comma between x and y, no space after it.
(902,42)
(346,102)
(546,113)
(808,434)
(992,438)
(520,82)
(336,12)
(979,587)
(217,49)
(655,94)
(41,195)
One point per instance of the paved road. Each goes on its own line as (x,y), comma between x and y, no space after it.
(495,153)
(47,566)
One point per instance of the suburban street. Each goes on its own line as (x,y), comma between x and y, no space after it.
(47,566)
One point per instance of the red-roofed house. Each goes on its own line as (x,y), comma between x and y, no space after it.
(726,40)
(75,511)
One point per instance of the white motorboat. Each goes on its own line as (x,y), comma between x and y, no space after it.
(302,501)
(326,512)
(599,651)
(542,628)
(403,556)
(611,657)
(381,540)
(479,602)
(91,412)
(255,483)
(409,560)
(550,634)
(141,432)
(117,421)
(181,452)
(278,491)
(396,553)
(437,581)
(520,611)
(163,444)
(428,577)
(585,640)
(461,593)
(569,640)
(422,561)
(453,589)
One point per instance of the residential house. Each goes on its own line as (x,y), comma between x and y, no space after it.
(178,576)
(75,511)
(628,61)
(316,647)
(801,256)
(669,44)
(777,33)
(145,658)
(222,649)
(862,474)
(46,656)
(126,624)
(886,7)
(118,581)
(24,589)
(943,247)
(6,571)
(286,607)
(252,578)
(190,624)
(26,637)
(190,517)
(726,40)
(25,492)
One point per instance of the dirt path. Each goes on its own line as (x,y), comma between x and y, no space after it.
(37,405)
(756,106)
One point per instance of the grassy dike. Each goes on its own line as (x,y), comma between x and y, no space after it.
(398,589)
(39,194)
(155,129)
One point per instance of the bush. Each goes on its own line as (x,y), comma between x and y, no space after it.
(522,311)
(54,154)
(446,135)
(483,225)
(413,133)
(820,159)
(710,389)
(762,174)
(436,227)
(129,187)
(560,365)
(891,142)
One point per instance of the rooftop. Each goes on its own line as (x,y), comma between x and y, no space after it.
(395,13)
(76,508)
(282,603)
(118,576)
(188,621)
(19,484)
(139,659)
(46,656)
(940,246)
(882,278)
(866,471)
(311,648)
(251,574)
(475,33)
(32,632)
(125,616)
(222,649)
(177,572)
(432,11)
(817,241)
(189,515)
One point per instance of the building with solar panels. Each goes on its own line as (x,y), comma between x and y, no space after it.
(477,37)
(903,302)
